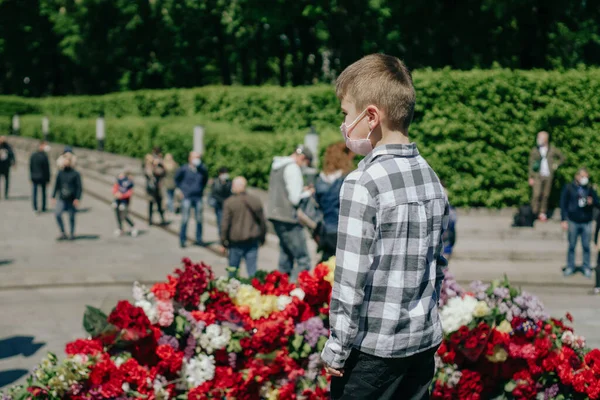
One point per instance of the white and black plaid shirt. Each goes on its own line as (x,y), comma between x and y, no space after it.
(388,271)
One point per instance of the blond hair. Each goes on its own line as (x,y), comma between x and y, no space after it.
(383,81)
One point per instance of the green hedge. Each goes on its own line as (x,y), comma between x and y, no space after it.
(245,153)
(475,127)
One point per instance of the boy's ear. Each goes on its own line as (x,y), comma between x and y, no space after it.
(373,116)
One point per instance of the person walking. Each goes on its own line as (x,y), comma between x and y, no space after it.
(191,179)
(66,196)
(154,172)
(169,181)
(384,321)
(122,192)
(243,228)
(286,185)
(577,203)
(544,160)
(220,191)
(7,161)
(39,174)
(336,165)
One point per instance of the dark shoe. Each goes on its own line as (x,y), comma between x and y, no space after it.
(72,237)
(200,243)
(182,245)
(62,237)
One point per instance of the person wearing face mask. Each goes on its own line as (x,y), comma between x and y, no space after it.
(544,160)
(220,191)
(66,195)
(384,322)
(191,179)
(286,189)
(7,161)
(577,204)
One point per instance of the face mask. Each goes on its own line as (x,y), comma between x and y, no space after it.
(584,181)
(358,146)
(46,148)
(196,162)
(224,177)
(540,143)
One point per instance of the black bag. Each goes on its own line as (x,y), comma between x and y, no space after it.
(524,217)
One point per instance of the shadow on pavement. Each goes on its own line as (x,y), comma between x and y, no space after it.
(11,376)
(18,198)
(84,210)
(87,237)
(6,262)
(19,345)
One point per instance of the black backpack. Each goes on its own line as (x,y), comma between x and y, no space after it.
(524,217)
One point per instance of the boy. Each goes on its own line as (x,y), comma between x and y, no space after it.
(122,191)
(384,319)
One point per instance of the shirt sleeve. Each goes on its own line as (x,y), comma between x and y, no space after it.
(441,261)
(356,238)
(294,182)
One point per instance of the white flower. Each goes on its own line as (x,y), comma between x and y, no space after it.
(575,341)
(139,291)
(214,338)
(299,293)
(80,359)
(149,309)
(282,302)
(125,387)
(199,370)
(119,361)
(457,312)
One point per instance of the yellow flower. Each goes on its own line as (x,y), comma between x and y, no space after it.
(331,265)
(504,327)
(260,306)
(273,394)
(500,355)
(481,310)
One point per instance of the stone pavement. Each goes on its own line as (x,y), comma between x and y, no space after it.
(45,285)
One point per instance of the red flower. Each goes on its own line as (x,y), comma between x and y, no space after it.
(84,346)
(525,386)
(132,320)
(134,374)
(192,281)
(470,386)
(106,379)
(569,317)
(208,317)
(170,359)
(165,290)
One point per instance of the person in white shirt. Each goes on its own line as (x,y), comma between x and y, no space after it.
(544,160)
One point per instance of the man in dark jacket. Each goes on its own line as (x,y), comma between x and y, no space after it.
(7,160)
(39,172)
(67,193)
(577,204)
(191,179)
(220,191)
(244,227)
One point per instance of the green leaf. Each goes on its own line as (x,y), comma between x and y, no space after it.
(321,343)
(94,321)
(297,342)
(510,386)
(180,324)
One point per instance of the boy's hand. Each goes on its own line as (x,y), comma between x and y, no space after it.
(76,203)
(338,373)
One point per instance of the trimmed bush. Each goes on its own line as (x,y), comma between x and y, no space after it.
(476,128)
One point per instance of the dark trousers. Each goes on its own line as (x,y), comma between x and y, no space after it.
(247,251)
(542,187)
(6,175)
(65,206)
(370,377)
(37,186)
(155,199)
(122,213)
(292,247)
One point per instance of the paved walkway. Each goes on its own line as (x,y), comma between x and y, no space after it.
(45,285)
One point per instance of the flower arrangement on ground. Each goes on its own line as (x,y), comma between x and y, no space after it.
(196,337)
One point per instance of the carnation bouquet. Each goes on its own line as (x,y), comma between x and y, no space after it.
(195,336)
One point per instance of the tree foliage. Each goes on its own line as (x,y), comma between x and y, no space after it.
(50,47)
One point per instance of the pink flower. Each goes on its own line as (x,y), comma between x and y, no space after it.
(165,313)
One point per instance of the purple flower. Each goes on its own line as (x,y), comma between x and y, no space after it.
(232,357)
(169,340)
(502,293)
(314,365)
(450,288)
(190,347)
(551,392)
(312,329)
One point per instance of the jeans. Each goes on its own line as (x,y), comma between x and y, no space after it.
(186,207)
(155,199)
(248,252)
(585,231)
(37,186)
(65,206)
(171,200)
(292,246)
(370,377)
(6,175)
(219,215)
(122,213)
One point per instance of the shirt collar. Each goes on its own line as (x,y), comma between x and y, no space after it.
(396,150)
